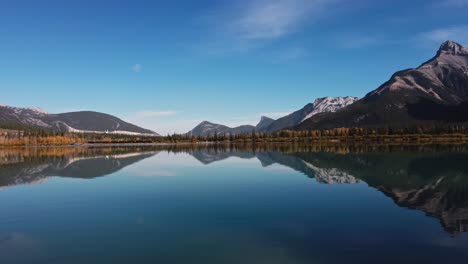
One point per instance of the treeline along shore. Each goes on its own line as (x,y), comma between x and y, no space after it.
(434,133)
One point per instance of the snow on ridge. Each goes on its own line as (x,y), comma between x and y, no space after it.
(72,160)
(330,104)
(115,132)
(18,110)
(37,110)
(38,117)
(331,175)
(28,115)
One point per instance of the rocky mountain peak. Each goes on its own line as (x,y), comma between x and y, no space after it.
(264,123)
(453,48)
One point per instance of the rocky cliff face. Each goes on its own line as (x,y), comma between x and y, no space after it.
(435,91)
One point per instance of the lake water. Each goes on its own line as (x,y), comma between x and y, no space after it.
(234,204)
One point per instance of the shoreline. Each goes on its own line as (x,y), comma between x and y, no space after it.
(329,142)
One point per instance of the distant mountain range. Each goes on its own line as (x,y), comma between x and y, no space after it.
(83,121)
(436,91)
(266,124)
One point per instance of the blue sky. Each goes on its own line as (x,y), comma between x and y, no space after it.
(168,65)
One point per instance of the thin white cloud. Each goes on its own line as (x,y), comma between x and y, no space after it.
(158,121)
(267,19)
(275,115)
(245,25)
(451,3)
(137,68)
(169,122)
(166,124)
(455,33)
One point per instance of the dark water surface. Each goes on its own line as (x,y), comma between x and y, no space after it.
(237,204)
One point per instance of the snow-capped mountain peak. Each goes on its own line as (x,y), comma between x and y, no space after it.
(330,104)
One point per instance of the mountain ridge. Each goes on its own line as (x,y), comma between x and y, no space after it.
(429,93)
(268,125)
(320,105)
(79,121)
(207,128)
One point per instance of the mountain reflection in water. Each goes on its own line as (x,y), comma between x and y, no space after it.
(430,179)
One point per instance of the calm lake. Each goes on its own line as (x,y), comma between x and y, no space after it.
(234,204)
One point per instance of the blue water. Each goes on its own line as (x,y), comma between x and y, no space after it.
(235,206)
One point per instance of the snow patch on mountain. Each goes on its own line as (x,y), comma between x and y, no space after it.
(115,132)
(330,104)
(21,110)
(37,110)
(331,175)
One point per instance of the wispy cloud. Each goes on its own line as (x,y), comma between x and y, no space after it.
(451,3)
(137,68)
(159,121)
(455,33)
(275,115)
(267,19)
(168,122)
(245,25)
(174,125)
